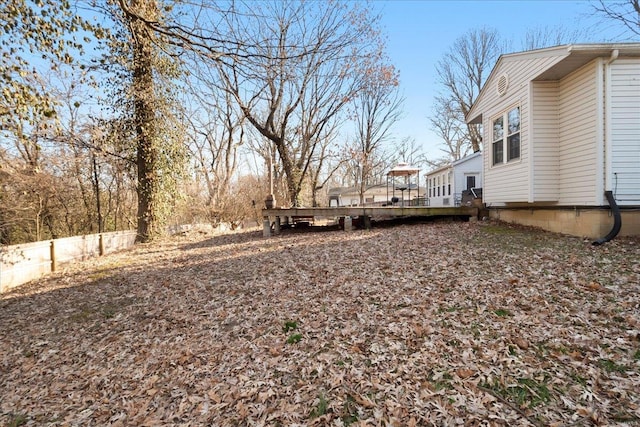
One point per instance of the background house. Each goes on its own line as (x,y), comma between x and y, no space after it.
(561,126)
(446,183)
(350,196)
(375,195)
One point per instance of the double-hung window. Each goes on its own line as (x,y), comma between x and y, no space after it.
(506,136)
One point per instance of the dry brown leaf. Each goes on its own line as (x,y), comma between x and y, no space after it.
(594,286)
(465,373)
(190,332)
(521,342)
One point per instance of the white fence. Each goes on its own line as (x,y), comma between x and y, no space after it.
(22,263)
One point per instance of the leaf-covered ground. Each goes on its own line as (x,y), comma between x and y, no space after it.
(432,324)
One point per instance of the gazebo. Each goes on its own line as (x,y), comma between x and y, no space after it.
(407,171)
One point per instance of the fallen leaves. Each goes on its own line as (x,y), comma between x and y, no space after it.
(426,325)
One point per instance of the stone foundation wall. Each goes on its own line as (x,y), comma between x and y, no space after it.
(589,223)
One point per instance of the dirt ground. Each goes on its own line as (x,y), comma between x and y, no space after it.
(434,324)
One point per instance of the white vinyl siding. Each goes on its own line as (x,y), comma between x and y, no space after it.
(546,141)
(577,134)
(467,166)
(510,182)
(440,188)
(625,131)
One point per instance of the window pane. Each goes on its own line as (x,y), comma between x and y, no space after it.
(513,144)
(497,152)
(498,129)
(514,120)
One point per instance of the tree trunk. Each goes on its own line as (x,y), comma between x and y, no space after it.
(96,184)
(144,115)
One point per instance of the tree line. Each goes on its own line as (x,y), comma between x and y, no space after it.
(118,114)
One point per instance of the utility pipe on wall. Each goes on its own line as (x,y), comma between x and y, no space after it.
(617,220)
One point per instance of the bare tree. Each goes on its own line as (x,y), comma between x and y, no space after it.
(463,70)
(377,108)
(447,122)
(308,62)
(407,151)
(625,12)
(541,37)
(216,131)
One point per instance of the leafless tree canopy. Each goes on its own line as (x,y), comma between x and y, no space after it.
(463,70)
(376,109)
(313,62)
(625,12)
(447,122)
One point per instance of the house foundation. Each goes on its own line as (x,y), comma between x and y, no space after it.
(581,222)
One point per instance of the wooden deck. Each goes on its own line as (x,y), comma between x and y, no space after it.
(274,218)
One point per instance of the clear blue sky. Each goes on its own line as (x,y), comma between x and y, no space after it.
(420,32)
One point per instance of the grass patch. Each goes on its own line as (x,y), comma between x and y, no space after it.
(349,411)
(321,408)
(289,326)
(579,379)
(526,393)
(441,382)
(18,420)
(450,309)
(495,229)
(294,338)
(611,366)
(502,312)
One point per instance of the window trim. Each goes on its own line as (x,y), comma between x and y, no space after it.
(504,115)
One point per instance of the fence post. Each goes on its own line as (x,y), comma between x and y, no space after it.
(52,255)
(100,245)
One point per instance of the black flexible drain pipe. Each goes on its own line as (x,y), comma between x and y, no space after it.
(617,220)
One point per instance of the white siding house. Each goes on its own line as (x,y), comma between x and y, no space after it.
(561,126)
(374,195)
(467,173)
(439,190)
(446,183)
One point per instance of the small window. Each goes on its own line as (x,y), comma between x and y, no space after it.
(506,142)
(513,139)
(498,136)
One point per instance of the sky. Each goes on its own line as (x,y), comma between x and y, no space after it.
(420,32)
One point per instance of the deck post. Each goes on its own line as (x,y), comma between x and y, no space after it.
(348,225)
(276,228)
(366,221)
(266,227)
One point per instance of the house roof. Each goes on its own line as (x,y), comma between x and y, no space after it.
(570,57)
(466,158)
(439,169)
(454,163)
(403,169)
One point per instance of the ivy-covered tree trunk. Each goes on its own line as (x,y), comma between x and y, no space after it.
(144,117)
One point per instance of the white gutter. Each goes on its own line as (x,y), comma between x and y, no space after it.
(608,149)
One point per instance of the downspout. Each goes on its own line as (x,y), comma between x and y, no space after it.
(617,220)
(617,217)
